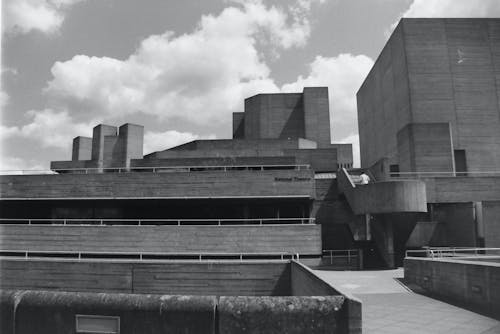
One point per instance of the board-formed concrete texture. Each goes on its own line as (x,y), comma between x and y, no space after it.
(24,311)
(471,282)
(434,71)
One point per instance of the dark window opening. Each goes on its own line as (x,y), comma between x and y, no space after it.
(460,163)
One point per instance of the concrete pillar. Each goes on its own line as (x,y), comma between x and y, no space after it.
(98,141)
(130,143)
(82,148)
(317,115)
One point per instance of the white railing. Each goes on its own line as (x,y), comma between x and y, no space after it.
(455,252)
(146,256)
(332,254)
(158,221)
(153,169)
(425,174)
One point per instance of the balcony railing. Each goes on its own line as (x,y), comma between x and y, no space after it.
(146,256)
(153,169)
(425,174)
(158,221)
(453,252)
(349,254)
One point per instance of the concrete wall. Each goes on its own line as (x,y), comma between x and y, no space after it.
(260,278)
(384,196)
(462,189)
(459,221)
(214,161)
(298,183)
(435,71)
(384,103)
(302,239)
(425,147)
(44,312)
(238,125)
(491,223)
(82,148)
(274,116)
(47,312)
(321,160)
(317,115)
(306,283)
(473,284)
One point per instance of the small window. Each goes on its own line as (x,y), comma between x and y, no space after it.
(460,163)
(97,324)
(394,170)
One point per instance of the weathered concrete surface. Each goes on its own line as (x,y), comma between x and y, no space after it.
(471,283)
(43,312)
(280,314)
(7,306)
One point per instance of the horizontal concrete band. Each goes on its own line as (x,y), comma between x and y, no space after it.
(56,312)
(472,283)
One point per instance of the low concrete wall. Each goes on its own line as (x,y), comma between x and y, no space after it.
(309,306)
(281,315)
(305,283)
(472,283)
(226,278)
(44,312)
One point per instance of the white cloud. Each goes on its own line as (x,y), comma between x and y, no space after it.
(201,76)
(23,16)
(343,76)
(4,99)
(49,128)
(17,165)
(158,141)
(451,8)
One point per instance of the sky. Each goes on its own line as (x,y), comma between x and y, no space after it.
(180,68)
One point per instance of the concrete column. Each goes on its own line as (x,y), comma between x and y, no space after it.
(82,148)
(317,115)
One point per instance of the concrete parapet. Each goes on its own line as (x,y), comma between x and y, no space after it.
(471,283)
(44,312)
(243,314)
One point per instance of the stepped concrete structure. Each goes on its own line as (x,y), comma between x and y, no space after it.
(232,223)
(429,111)
(229,223)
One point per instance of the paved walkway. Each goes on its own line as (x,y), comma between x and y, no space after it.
(389,307)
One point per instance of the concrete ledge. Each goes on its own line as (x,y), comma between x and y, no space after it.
(385,196)
(304,282)
(474,284)
(280,314)
(44,312)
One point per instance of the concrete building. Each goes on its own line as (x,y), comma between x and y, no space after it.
(429,110)
(208,218)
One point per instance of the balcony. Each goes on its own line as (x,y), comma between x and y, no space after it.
(384,196)
(185,182)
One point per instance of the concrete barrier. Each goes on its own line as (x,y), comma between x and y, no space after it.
(308,305)
(246,314)
(48,312)
(474,284)
(304,282)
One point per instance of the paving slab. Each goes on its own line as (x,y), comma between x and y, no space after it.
(390,307)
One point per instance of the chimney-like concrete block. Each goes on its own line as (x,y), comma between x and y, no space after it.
(82,148)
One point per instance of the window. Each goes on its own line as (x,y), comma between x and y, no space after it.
(460,163)
(97,324)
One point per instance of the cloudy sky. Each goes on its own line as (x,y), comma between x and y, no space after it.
(180,68)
